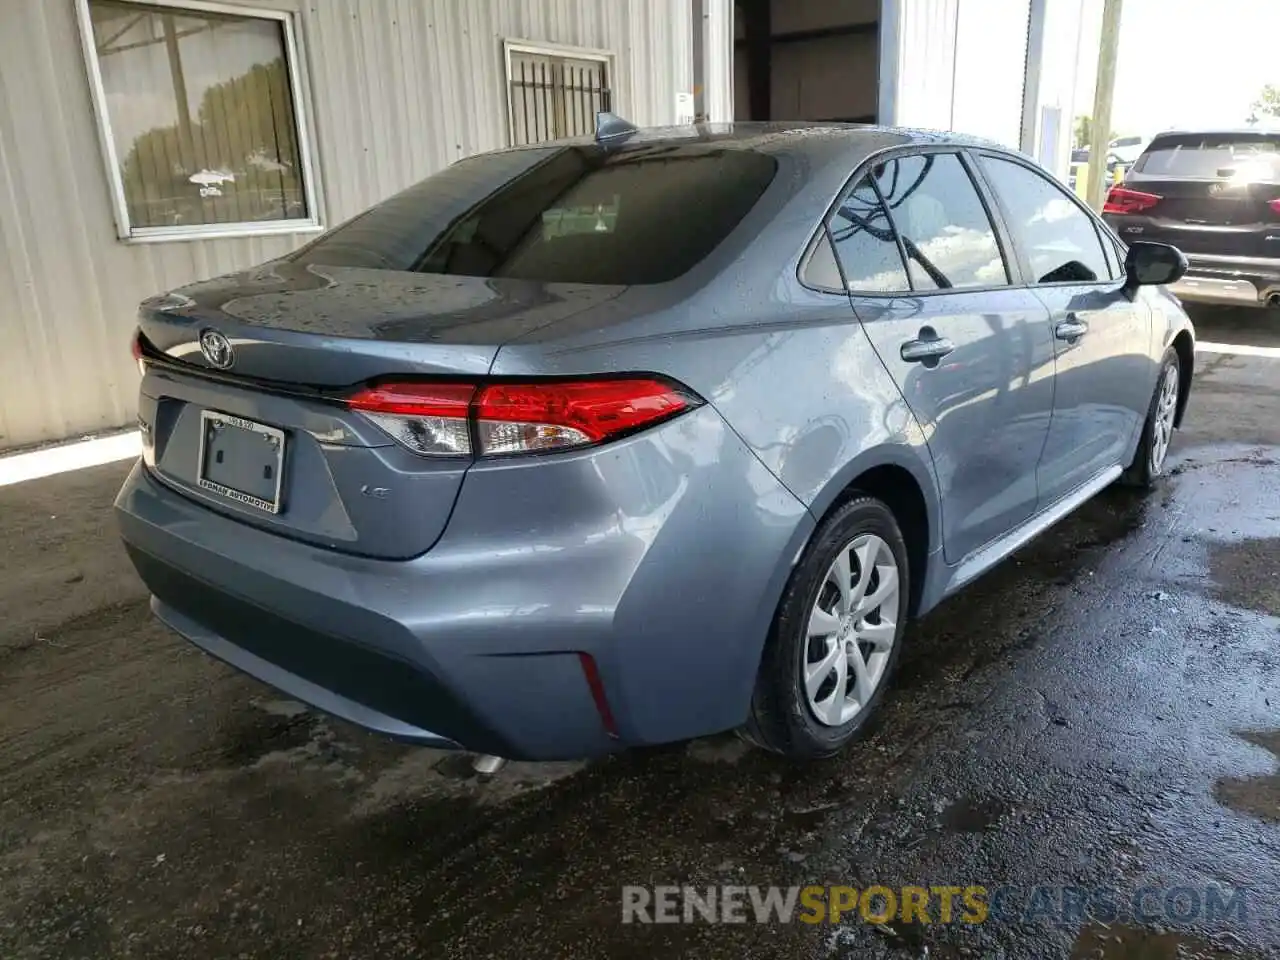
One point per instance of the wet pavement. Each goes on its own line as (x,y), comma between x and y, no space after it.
(1100,713)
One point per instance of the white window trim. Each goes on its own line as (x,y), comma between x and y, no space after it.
(555,50)
(130,234)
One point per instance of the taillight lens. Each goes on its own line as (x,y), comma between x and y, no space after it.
(135,346)
(428,418)
(1122,200)
(1274,205)
(436,419)
(526,417)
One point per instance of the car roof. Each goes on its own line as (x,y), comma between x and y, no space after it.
(802,138)
(1219,132)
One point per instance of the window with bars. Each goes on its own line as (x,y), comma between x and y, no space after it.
(200,118)
(552,93)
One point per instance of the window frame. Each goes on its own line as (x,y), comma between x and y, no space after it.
(821,237)
(125,231)
(1100,230)
(1014,270)
(546,49)
(825,231)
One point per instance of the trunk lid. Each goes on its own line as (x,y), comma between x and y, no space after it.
(331,327)
(264,439)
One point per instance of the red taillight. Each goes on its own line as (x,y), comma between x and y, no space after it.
(428,418)
(436,418)
(518,418)
(139,357)
(1122,200)
(1274,205)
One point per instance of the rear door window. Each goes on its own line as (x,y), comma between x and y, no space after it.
(1213,157)
(638,215)
(1059,239)
(946,234)
(866,244)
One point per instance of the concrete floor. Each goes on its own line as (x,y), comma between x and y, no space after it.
(1103,709)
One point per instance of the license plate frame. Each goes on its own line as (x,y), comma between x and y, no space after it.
(274,439)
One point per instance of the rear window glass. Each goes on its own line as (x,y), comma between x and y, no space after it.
(1213,157)
(564,214)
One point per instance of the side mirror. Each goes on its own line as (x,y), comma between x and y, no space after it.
(1149,264)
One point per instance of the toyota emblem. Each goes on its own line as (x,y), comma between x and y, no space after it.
(217,349)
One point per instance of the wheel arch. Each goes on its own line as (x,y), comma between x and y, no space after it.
(1184,346)
(896,476)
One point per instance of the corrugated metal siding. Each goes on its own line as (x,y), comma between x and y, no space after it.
(397,89)
(960,65)
(926,57)
(991,69)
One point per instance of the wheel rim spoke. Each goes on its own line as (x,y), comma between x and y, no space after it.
(815,673)
(863,684)
(888,586)
(866,553)
(879,635)
(840,575)
(836,704)
(822,623)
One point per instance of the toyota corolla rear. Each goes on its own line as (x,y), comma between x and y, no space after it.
(1215,196)
(337,497)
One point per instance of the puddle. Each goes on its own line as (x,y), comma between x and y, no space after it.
(1247,574)
(1128,943)
(1256,796)
(969,815)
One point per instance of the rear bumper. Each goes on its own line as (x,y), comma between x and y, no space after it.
(1242,281)
(661,557)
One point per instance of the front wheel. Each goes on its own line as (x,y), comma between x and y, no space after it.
(836,637)
(1157,432)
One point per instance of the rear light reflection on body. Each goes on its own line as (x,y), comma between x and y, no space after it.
(436,419)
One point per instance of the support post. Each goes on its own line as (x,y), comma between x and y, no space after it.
(1100,133)
(1031,78)
(759,36)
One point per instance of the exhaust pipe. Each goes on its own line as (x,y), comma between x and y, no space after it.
(1273,301)
(488,764)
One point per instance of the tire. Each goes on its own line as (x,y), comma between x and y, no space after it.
(1157,433)
(786,717)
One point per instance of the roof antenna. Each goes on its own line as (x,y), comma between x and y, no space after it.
(610,126)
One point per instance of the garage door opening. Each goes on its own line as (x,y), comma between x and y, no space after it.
(806,60)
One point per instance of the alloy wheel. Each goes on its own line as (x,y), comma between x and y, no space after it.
(1162,425)
(851,630)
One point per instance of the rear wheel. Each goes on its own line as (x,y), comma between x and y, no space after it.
(1157,432)
(836,637)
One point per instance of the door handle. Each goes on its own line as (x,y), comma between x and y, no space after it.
(928,348)
(1070,329)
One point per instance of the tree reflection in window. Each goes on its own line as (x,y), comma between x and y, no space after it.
(946,234)
(202,115)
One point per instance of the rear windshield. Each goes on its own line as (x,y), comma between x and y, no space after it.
(559,214)
(1213,157)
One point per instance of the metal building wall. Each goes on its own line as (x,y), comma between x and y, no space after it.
(954,65)
(396,89)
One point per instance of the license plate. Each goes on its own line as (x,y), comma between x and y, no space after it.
(241,460)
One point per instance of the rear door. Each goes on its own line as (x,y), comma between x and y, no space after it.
(1102,339)
(971,354)
(1208,194)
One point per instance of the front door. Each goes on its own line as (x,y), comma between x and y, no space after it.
(1102,339)
(972,356)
